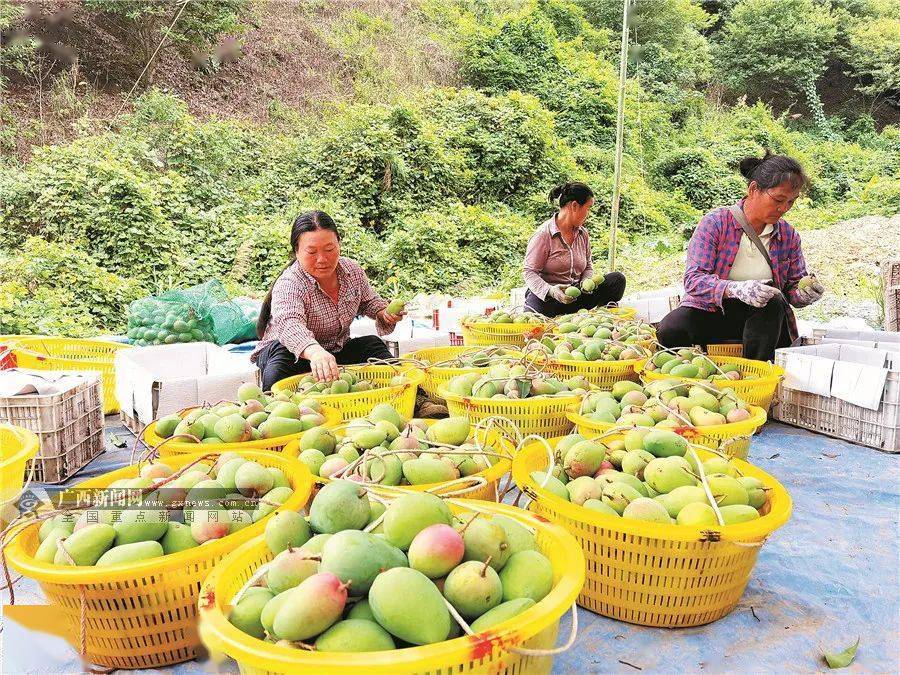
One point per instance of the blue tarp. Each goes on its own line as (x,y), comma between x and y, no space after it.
(828,576)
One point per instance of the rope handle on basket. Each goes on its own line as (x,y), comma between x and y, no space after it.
(524,651)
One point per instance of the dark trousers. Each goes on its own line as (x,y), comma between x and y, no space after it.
(276,362)
(760,329)
(611,290)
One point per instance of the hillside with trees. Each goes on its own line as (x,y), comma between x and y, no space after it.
(146,145)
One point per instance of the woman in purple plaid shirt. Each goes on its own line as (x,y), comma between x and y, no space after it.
(732,291)
(304,323)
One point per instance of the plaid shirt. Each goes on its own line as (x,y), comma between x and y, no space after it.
(711,253)
(549,260)
(303,314)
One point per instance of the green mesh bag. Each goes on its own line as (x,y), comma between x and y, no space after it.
(202,313)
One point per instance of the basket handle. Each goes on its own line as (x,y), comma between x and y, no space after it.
(573,634)
(524,651)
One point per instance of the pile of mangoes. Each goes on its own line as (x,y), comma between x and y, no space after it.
(205,502)
(650,475)
(655,404)
(598,323)
(574,348)
(347,382)
(396,452)
(693,364)
(504,316)
(472,358)
(336,588)
(253,416)
(515,381)
(157,322)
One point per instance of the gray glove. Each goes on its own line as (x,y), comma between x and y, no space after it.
(752,292)
(558,294)
(803,297)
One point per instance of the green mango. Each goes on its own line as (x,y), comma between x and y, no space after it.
(87,545)
(409,606)
(355,635)
(137,525)
(527,574)
(500,613)
(126,553)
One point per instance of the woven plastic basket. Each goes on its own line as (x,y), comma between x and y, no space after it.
(603,374)
(436,377)
(142,614)
(653,574)
(360,403)
(17,446)
(736,349)
(332,418)
(487,481)
(542,415)
(484,334)
(759,391)
(731,439)
(491,651)
(52,353)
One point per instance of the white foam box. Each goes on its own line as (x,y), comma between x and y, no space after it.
(152,382)
(652,306)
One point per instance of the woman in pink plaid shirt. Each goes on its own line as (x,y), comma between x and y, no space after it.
(304,323)
(733,290)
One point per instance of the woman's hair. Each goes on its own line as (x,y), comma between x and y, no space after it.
(773,170)
(570,192)
(305,222)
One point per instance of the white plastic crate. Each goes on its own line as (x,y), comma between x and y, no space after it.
(845,390)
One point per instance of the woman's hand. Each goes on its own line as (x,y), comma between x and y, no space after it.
(558,294)
(809,293)
(390,319)
(753,292)
(322,363)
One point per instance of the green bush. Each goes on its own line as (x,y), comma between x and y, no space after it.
(88,194)
(507,143)
(457,248)
(703,179)
(382,160)
(57,289)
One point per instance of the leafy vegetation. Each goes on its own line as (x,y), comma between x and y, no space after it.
(434,187)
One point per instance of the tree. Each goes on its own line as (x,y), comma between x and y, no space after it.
(666,35)
(769,46)
(873,52)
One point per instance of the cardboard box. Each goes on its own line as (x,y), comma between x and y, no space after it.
(152,382)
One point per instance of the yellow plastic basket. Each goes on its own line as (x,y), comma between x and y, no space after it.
(478,334)
(17,447)
(603,374)
(142,614)
(332,419)
(54,353)
(759,391)
(653,574)
(436,377)
(543,415)
(490,477)
(732,439)
(726,350)
(491,651)
(360,403)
